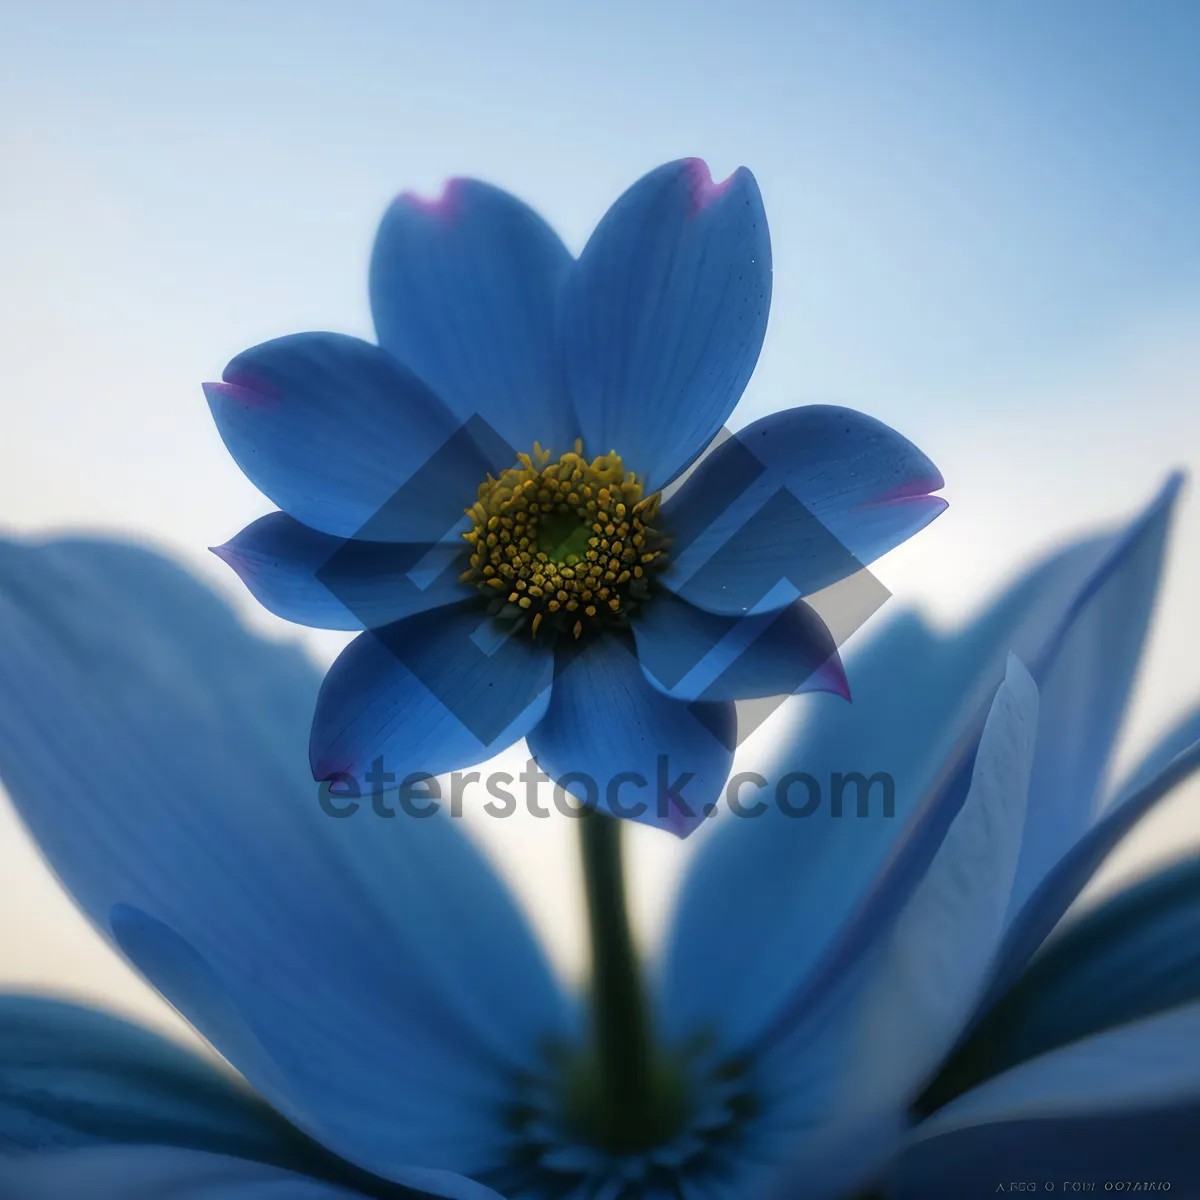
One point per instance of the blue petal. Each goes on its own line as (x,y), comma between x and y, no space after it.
(1121,1105)
(72,1077)
(793,503)
(1088,673)
(436,692)
(1125,569)
(818,887)
(338,583)
(1148,1145)
(696,655)
(464,290)
(172,1173)
(1131,957)
(664,316)
(1085,679)
(614,742)
(160,1173)
(1063,883)
(1179,739)
(371,978)
(345,439)
(935,960)
(925,979)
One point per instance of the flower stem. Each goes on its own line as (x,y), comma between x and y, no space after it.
(624,1070)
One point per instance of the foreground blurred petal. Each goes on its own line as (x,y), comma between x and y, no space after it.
(1065,880)
(341,583)
(1146,967)
(1120,1105)
(1085,680)
(73,1077)
(464,291)
(160,1173)
(1132,957)
(371,978)
(936,959)
(427,695)
(1127,566)
(931,968)
(615,742)
(345,439)
(815,886)
(793,503)
(171,1173)
(1180,739)
(1085,674)
(696,655)
(664,316)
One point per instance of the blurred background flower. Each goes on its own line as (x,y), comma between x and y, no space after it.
(373,981)
(984,233)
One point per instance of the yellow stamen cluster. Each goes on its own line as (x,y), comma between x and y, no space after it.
(565,544)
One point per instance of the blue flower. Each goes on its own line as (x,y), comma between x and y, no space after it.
(840,1003)
(551,400)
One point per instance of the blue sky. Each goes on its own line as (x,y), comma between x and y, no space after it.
(958,192)
(983,213)
(983,217)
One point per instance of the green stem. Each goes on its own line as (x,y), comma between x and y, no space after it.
(623,1068)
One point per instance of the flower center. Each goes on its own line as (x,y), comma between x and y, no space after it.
(700,1128)
(564,546)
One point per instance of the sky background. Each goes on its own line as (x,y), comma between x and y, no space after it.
(984,222)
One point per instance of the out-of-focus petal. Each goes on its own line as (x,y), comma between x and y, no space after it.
(341,583)
(160,1173)
(1067,878)
(341,436)
(935,961)
(1122,1105)
(614,742)
(438,691)
(73,1077)
(922,985)
(664,316)
(1132,957)
(793,503)
(822,888)
(1181,738)
(1085,678)
(172,1173)
(696,655)
(464,290)
(369,976)
(1125,564)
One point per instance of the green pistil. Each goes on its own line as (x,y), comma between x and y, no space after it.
(563,538)
(560,547)
(626,1094)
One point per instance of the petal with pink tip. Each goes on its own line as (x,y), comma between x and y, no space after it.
(665,314)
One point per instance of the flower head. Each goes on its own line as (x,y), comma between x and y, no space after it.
(841,1003)
(483,493)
